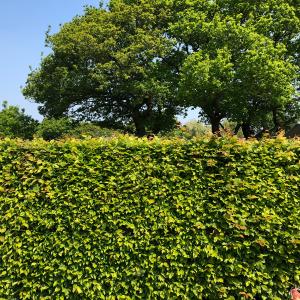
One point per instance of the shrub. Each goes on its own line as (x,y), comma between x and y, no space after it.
(52,128)
(84,130)
(132,219)
(197,129)
(14,123)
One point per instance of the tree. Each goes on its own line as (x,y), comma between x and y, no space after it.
(231,70)
(279,20)
(205,84)
(108,65)
(140,60)
(14,123)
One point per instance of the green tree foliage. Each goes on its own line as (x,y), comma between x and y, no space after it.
(14,123)
(64,128)
(137,62)
(196,128)
(231,70)
(133,219)
(84,130)
(278,20)
(50,129)
(108,65)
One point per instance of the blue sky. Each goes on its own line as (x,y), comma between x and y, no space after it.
(22,34)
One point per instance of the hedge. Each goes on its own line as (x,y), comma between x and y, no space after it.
(132,219)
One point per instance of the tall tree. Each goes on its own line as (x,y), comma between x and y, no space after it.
(279,20)
(108,65)
(232,70)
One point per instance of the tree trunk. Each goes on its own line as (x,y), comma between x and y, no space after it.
(214,114)
(139,124)
(247,131)
(236,129)
(215,125)
(278,124)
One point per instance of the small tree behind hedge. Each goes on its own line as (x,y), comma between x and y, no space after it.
(14,123)
(51,129)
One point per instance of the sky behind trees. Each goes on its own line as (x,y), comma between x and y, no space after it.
(22,34)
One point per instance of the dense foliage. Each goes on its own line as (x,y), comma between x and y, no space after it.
(141,62)
(51,129)
(108,65)
(132,219)
(89,130)
(14,123)
(241,60)
(62,128)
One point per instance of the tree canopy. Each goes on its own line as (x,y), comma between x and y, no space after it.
(14,123)
(141,62)
(108,65)
(233,69)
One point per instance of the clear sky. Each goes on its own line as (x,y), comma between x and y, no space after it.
(22,34)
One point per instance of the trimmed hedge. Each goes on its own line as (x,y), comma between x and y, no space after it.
(132,219)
